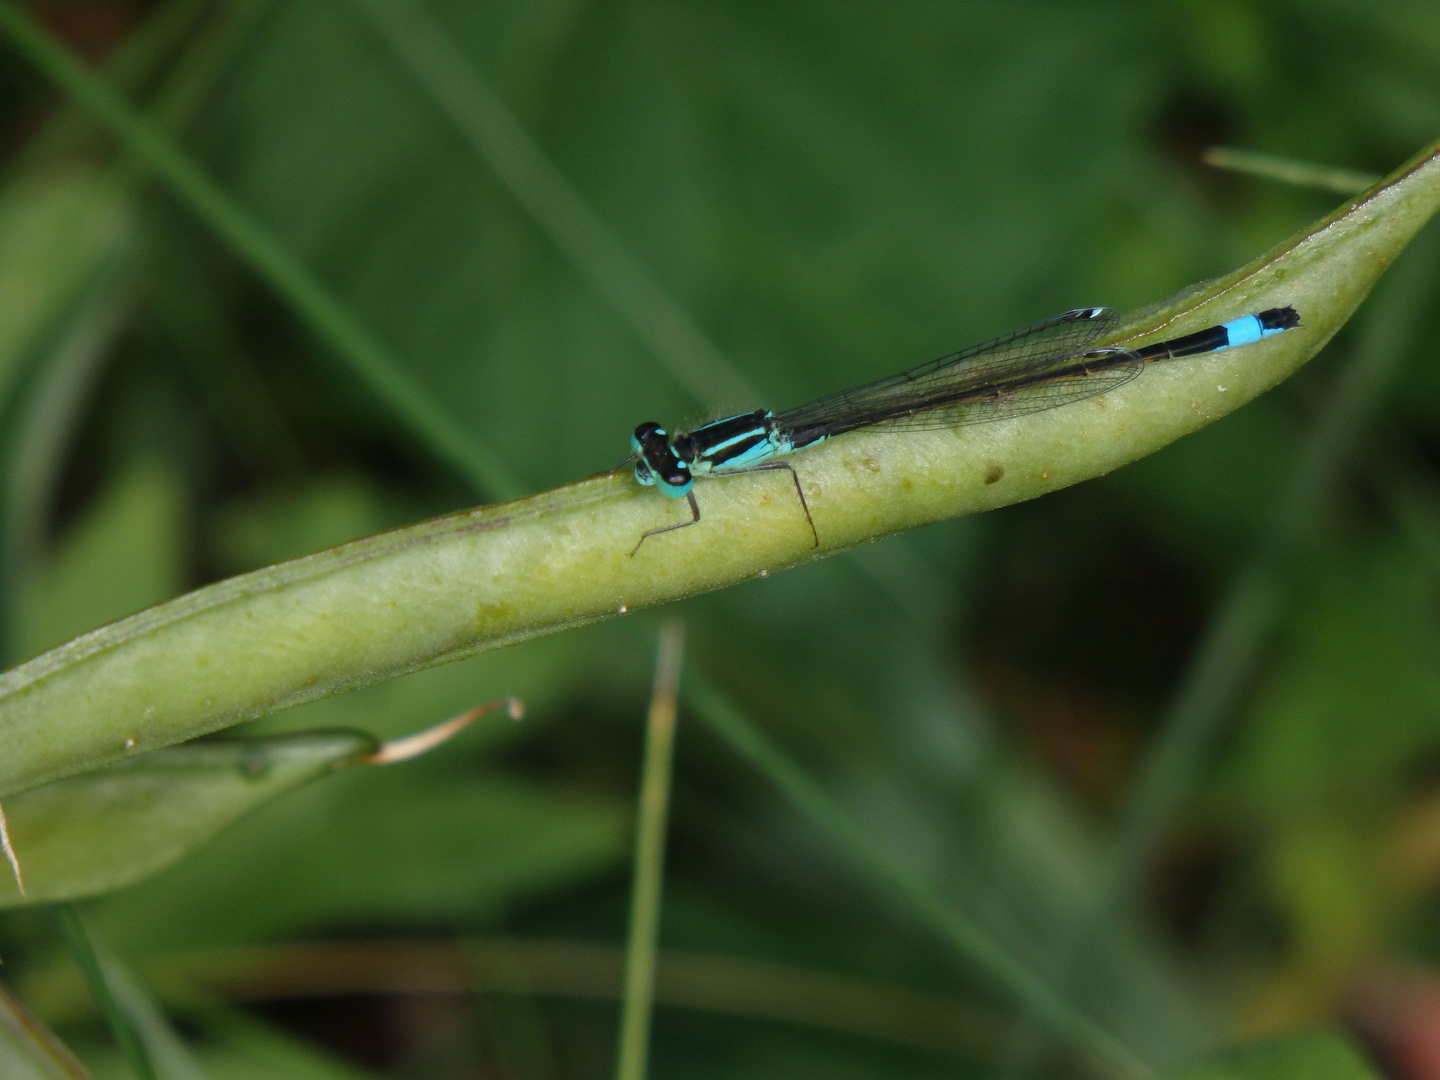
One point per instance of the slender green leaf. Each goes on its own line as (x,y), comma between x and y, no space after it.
(83,952)
(962,934)
(163,1044)
(591,246)
(100,831)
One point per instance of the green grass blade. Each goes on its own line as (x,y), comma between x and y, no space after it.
(82,949)
(366,357)
(650,827)
(1288,171)
(172,1057)
(42,424)
(608,266)
(136,60)
(968,940)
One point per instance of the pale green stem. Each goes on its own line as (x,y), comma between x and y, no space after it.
(638,995)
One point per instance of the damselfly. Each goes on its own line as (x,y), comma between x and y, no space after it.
(1044,366)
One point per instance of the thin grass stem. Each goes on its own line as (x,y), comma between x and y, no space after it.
(638,997)
(82,949)
(1288,171)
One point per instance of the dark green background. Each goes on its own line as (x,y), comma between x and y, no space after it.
(832,191)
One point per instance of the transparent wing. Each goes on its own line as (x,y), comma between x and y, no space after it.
(1030,370)
(1042,390)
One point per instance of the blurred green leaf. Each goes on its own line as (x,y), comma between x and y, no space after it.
(28,1050)
(164,1050)
(1311,1056)
(101,831)
(124,554)
(366,355)
(1352,701)
(234,1046)
(412,843)
(286,523)
(242,1048)
(58,228)
(100,979)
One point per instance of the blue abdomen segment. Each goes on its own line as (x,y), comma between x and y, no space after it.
(1248,330)
(1245,330)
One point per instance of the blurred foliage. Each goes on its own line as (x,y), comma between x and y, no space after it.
(1320,1056)
(831,192)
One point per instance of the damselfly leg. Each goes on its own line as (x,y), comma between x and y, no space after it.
(694,509)
(770,466)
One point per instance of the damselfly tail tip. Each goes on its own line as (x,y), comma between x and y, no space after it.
(1279,318)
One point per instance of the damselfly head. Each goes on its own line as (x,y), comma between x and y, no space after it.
(646,436)
(658,464)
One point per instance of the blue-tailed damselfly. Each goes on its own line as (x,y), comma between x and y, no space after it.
(1051,363)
